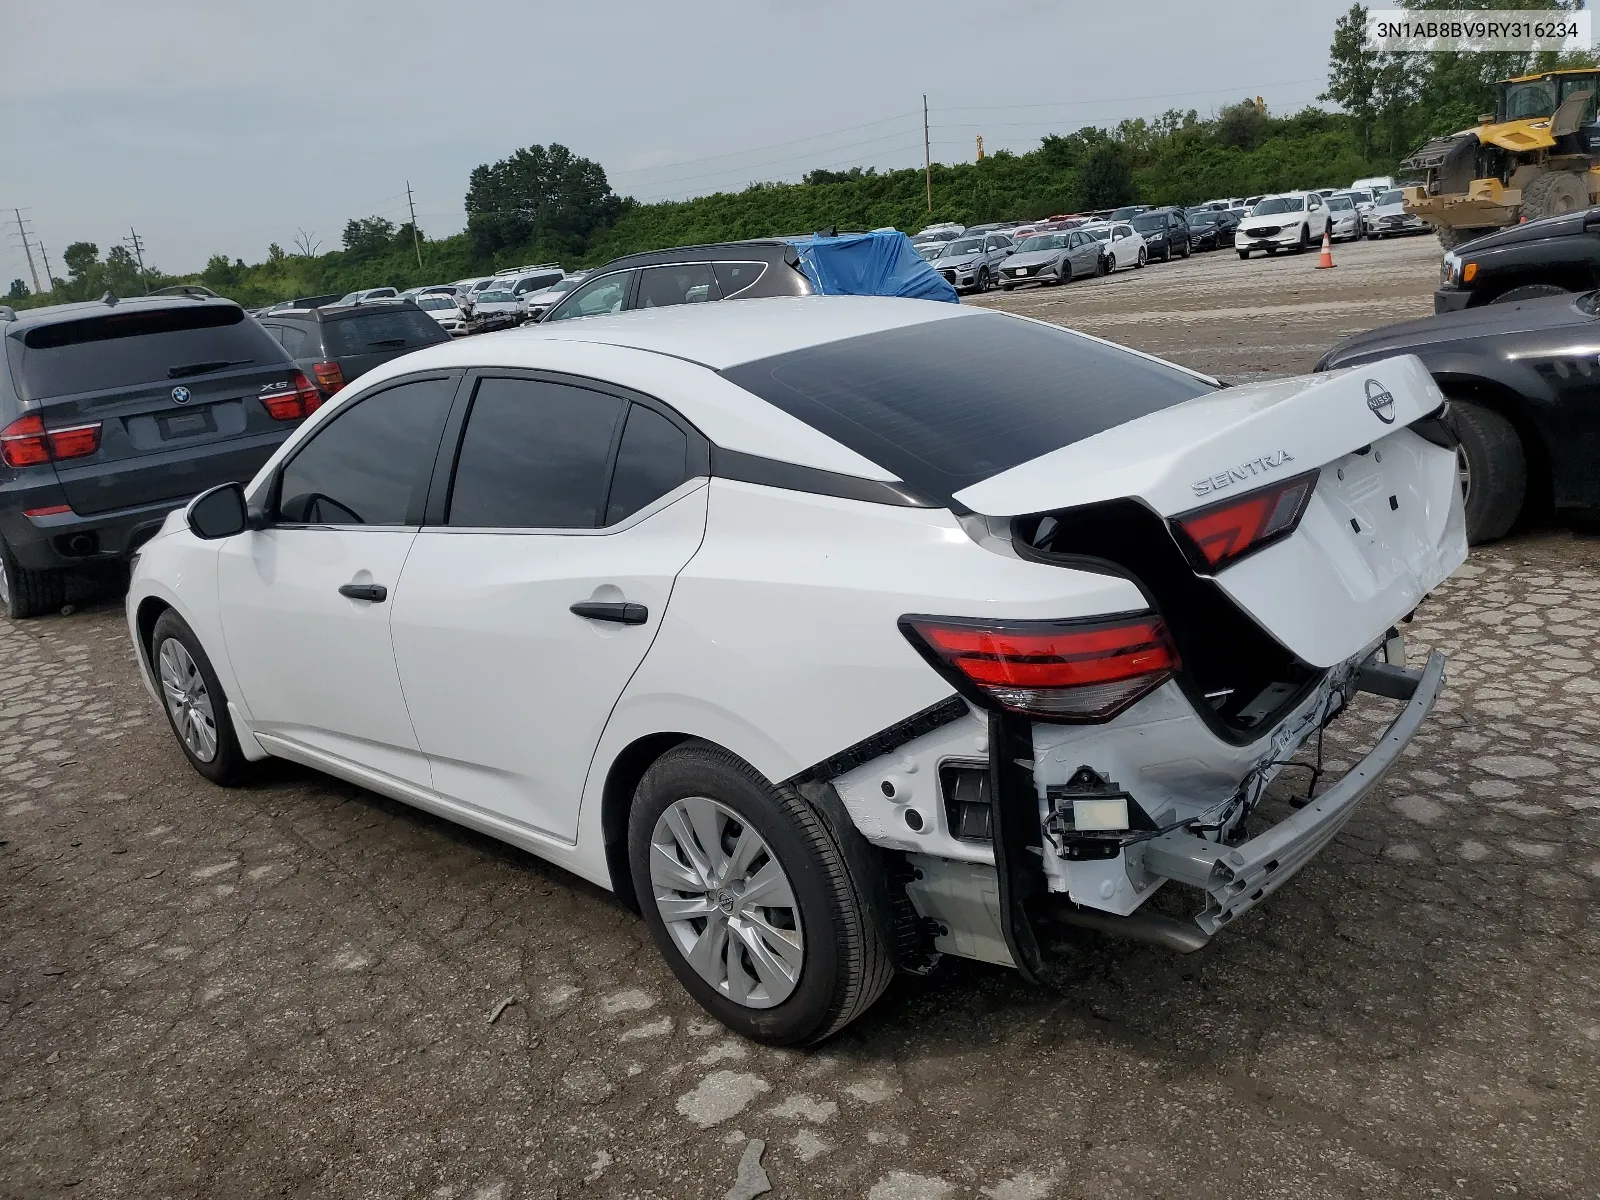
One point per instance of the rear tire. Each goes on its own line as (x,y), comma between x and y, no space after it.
(844,962)
(1529,291)
(195,704)
(1494,470)
(26,593)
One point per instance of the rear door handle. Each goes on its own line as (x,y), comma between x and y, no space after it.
(619,611)
(374,592)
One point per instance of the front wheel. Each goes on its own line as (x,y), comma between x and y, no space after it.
(1102,266)
(1188,249)
(983,283)
(751,898)
(196,706)
(1144,257)
(1493,470)
(1305,240)
(1243,254)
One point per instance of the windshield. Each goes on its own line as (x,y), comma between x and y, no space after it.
(1534,99)
(494,297)
(1150,221)
(1043,241)
(1393,196)
(1203,218)
(929,250)
(435,302)
(1279,204)
(963,246)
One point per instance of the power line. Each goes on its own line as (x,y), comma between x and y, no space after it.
(1122,99)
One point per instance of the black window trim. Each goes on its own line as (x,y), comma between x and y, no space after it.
(437,508)
(792,477)
(271,495)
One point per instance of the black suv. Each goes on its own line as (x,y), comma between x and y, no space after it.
(1165,232)
(114,413)
(688,275)
(1538,258)
(337,343)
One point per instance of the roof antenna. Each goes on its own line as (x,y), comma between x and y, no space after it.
(108,298)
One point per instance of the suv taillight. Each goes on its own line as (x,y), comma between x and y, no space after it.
(1073,672)
(1223,533)
(27,443)
(330,377)
(299,399)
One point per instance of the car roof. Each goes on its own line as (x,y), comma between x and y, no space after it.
(49,314)
(767,249)
(336,312)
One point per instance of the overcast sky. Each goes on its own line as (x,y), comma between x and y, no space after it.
(221,127)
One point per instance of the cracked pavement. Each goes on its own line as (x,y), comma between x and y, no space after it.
(286,989)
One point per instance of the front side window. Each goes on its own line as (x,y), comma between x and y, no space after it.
(370,464)
(596,297)
(534,456)
(679,283)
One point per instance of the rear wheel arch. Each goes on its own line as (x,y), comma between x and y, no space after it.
(616,799)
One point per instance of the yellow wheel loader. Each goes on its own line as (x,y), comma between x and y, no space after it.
(1536,156)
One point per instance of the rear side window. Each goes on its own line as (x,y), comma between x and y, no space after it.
(652,459)
(534,456)
(948,403)
(736,276)
(298,341)
(370,464)
(125,349)
(379,332)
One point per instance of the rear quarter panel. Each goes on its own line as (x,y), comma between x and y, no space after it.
(781,644)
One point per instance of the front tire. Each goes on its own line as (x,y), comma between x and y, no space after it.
(1493,470)
(706,836)
(983,283)
(25,593)
(195,704)
(1144,257)
(1244,254)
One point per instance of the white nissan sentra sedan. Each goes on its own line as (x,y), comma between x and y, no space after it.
(834,633)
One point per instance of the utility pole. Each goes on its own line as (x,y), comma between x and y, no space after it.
(49,277)
(980,147)
(27,248)
(138,254)
(416,238)
(927,157)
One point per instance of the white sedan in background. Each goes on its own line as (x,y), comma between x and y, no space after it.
(669,599)
(1124,242)
(1289,221)
(444,308)
(1344,218)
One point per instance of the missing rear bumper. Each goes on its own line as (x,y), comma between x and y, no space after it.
(1233,878)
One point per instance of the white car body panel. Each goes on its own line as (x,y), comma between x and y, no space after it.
(1286,225)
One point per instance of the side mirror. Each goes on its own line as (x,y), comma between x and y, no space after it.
(219,513)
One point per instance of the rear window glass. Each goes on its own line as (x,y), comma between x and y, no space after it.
(124,349)
(949,403)
(375,333)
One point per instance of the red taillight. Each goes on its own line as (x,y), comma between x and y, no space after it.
(1067,671)
(329,376)
(27,443)
(1222,533)
(49,510)
(293,400)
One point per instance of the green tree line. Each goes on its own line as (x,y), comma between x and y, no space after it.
(547,203)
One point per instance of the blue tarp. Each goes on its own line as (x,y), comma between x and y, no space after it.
(871,264)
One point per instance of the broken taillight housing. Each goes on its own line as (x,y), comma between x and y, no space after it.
(1223,533)
(1072,672)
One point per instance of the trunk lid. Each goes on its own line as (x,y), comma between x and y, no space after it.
(1384,526)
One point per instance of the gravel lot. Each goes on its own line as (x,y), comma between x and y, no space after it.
(286,990)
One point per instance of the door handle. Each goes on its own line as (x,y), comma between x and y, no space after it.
(373,592)
(620,612)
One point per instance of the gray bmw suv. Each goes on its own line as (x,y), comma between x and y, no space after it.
(113,413)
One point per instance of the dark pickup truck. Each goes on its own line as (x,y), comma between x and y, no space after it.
(1537,258)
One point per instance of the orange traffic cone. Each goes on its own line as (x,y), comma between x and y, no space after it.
(1326,260)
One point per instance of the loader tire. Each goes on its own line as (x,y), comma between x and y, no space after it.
(1450,238)
(1554,193)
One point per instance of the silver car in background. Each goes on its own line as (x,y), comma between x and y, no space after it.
(1054,258)
(973,263)
(1344,218)
(1389,216)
